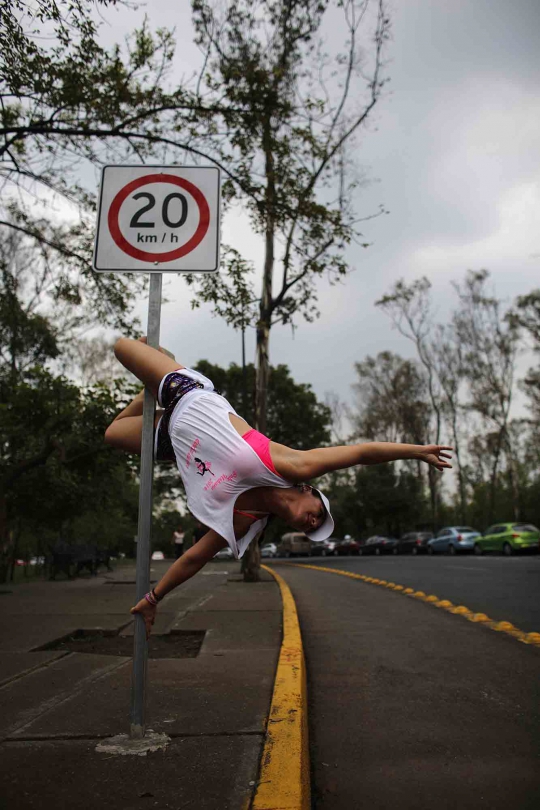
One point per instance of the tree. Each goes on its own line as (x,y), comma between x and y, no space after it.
(409,307)
(286,123)
(55,470)
(391,406)
(391,500)
(490,344)
(449,368)
(295,416)
(270,107)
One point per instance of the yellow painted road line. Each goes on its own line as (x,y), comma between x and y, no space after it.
(443,604)
(284,780)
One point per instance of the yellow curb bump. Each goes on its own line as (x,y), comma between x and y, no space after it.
(284,778)
(445,604)
(479,617)
(531,638)
(504,626)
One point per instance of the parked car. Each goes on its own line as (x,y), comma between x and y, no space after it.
(378,544)
(330,545)
(318,548)
(347,546)
(158,555)
(453,540)
(509,538)
(224,554)
(295,544)
(414,543)
(269,550)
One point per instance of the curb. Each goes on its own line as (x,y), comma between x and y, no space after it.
(431,599)
(284,778)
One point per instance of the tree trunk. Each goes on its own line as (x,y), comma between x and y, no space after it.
(4,538)
(513,476)
(265,310)
(251,561)
(251,566)
(461,479)
(493,481)
(432,479)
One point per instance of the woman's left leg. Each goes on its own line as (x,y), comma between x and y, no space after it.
(148,364)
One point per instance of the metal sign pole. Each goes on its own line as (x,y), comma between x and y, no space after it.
(140,645)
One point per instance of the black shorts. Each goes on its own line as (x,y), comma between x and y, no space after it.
(174,386)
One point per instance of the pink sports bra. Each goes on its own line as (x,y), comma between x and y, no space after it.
(261,444)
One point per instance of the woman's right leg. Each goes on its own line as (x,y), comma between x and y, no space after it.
(125,431)
(148,364)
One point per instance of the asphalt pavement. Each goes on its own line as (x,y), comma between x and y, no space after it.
(507,589)
(410,706)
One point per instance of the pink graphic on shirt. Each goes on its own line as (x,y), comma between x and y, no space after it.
(213,484)
(191,452)
(203,466)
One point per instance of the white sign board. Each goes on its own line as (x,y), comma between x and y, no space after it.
(158,219)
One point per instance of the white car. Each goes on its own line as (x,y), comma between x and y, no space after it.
(158,555)
(224,554)
(269,550)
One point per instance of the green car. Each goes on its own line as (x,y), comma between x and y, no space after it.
(508,538)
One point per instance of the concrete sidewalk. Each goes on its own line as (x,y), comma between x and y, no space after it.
(56,705)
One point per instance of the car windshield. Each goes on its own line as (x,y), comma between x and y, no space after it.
(464,529)
(524,527)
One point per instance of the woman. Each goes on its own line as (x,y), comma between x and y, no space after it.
(235,477)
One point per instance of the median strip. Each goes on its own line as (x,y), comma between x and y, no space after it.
(284,779)
(443,604)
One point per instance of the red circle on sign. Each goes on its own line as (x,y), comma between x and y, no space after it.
(145,255)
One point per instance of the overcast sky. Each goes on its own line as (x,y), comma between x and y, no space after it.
(453,152)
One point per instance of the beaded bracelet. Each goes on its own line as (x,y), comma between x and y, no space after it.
(151,599)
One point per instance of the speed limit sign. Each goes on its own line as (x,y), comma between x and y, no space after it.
(158,219)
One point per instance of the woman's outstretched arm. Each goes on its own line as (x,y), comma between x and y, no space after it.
(312,463)
(183,569)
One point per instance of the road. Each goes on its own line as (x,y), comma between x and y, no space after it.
(507,589)
(413,707)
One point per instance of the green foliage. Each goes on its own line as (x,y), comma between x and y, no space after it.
(295,416)
(58,474)
(391,397)
(391,499)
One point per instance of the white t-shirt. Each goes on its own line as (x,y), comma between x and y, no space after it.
(216,464)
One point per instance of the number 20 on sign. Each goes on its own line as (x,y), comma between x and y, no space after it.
(158,219)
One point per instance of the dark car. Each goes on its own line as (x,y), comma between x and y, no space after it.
(347,546)
(379,545)
(414,543)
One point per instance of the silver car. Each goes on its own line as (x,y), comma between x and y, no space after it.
(453,540)
(224,554)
